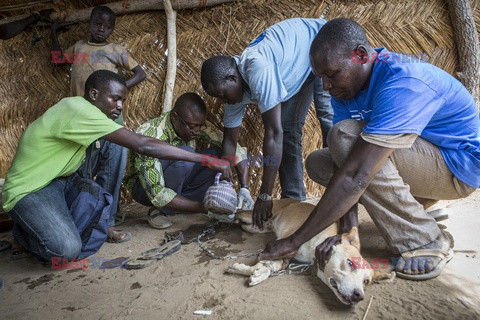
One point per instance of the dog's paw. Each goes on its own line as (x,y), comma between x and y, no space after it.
(259,276)
(381,276)
(240,268)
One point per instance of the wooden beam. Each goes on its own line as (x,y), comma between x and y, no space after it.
(171,58)
(123,7)
(468,48)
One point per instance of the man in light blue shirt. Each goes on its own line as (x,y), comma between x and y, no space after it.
(273,72)
(405,135)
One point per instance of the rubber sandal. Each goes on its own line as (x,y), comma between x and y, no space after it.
(444,255)
(151,256)
(17,255)
(158,220)
(438,214)
(5,245)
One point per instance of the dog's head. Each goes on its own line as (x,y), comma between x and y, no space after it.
(346,273)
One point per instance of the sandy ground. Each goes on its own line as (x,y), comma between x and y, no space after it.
(189,280)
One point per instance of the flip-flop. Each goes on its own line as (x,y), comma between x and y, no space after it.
(5,245)
(444,255)
(438,214)
(21,254)
(151,256)
(158,220)
(127,237)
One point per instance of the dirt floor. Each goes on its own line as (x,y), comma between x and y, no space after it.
(189,280)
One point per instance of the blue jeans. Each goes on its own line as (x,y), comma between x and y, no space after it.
(189,179)
(44,225)
(323,108)
(107,165)
(294,113)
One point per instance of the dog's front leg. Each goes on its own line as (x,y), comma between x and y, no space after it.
(262,273)
(243,269)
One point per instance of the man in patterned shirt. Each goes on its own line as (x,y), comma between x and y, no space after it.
(171,186)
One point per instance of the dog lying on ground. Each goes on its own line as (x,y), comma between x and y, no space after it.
(343,273)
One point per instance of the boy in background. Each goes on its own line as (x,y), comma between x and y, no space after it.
(108,160)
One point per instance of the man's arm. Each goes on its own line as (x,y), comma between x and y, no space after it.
(161,150)
(342,193)
(11,29)
(182,204)
(138,76)
(57,53)
(272,150)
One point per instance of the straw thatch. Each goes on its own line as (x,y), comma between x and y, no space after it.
(31,84)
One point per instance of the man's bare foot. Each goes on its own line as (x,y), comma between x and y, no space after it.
(426,259)
(117,236)
(19,252)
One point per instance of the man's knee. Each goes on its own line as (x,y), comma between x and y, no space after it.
(319,166)
(341,138)
(66,249)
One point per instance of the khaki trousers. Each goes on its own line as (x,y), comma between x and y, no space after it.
(418,171)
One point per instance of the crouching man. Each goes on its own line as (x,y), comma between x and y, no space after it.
(53,147)
(171,186)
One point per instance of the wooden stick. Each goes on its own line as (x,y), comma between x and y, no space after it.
(368,308)
(171,58)
(468,48)
(123,7)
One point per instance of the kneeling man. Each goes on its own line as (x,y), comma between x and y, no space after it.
(53,147)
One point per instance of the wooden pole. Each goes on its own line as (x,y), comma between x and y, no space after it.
(468,48)
(171,58)
(123,7)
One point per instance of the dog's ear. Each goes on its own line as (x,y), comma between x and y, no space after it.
(382,276)
(352,238)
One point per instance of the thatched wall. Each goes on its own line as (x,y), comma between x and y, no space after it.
(31,84)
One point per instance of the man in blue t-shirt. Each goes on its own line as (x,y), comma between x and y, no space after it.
(273,72)
(405,134)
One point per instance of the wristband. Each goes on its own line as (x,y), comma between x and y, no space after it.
(245,186)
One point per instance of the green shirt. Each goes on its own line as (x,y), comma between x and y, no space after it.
(149,170)
(54,146)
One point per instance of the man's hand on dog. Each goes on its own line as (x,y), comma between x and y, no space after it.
(323,251)
(278,249)
(262,211)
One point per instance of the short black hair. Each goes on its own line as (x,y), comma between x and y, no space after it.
(192,102)
(100,10)
(98,79)
(342,33)
(215,69)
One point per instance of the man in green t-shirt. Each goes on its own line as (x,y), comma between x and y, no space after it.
(53,147)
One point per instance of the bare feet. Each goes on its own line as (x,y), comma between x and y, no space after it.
(424,263)
(117,236)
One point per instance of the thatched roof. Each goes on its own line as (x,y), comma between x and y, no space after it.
(31,84)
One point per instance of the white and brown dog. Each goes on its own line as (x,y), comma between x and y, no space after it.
(343,272)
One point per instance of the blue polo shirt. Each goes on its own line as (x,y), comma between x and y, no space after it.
(410,96)
(275,66)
